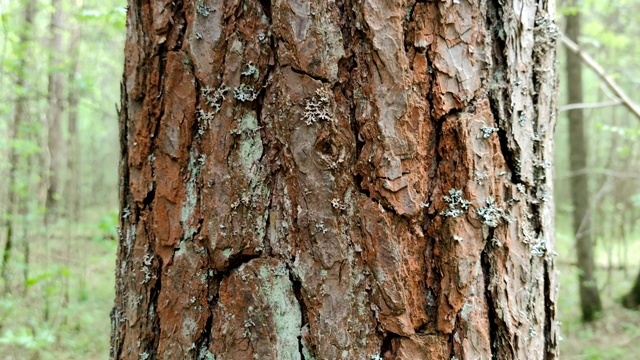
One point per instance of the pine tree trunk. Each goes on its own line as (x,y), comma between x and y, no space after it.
(337,180)
(589,295)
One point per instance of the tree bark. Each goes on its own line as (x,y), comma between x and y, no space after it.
(337,180)
(589,296)
(55,99)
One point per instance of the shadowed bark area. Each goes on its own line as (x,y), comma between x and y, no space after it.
(589,295)
(336,180)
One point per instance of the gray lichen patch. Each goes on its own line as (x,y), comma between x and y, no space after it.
(214,98)
(202,9)
(457,204)
(245,93)
(318,108)
(491,215)
(486,131)
(250,70)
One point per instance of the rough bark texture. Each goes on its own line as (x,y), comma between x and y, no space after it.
(589,296)
(337,180)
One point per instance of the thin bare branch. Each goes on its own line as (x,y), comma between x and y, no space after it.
(589,105)
(626,100)
(605,172)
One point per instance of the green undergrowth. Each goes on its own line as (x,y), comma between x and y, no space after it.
(61,310)
(616,333)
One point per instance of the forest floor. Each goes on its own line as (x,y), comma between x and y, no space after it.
(616,334)
(63,311)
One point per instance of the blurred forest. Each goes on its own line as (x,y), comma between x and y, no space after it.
(59,150)
(61,69)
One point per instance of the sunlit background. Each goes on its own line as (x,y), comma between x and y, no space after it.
(62,60)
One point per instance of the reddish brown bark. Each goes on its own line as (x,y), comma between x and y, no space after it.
(336,180)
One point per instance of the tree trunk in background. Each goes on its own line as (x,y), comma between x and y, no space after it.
(16,132)
(337,180)
(632,299)
(54,114)
(589,296)
(73,178)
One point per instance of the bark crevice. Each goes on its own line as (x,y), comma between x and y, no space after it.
(387,345)
(154,294)
(549,344)
(494,325)
(296,285)
(499,98)
(314,77)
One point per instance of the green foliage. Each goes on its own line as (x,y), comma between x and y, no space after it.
(46,277)
(27,338)
(629,132)
(55,303)
(569,10)
(114,17)
(108,226)
(68,302)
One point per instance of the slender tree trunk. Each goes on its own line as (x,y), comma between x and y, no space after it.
(24,211)
(337,180)
(30,204)
(73,96)
(589,295)
(16,132)
(72,180)
(55,141)
(632,299)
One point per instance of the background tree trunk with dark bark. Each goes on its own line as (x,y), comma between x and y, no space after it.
(589,296)
(337,180)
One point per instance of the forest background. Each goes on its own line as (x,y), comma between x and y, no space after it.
(59,150)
